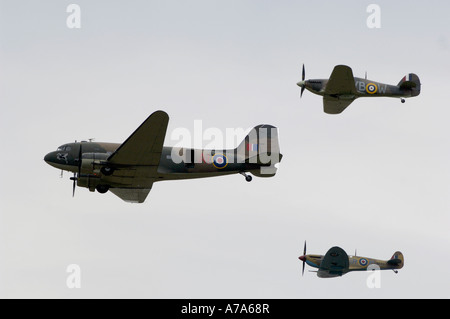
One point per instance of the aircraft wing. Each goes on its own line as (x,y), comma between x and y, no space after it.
(131,195)
(144,146)
(335,262)
(335,105)
(341,81)
(136,160)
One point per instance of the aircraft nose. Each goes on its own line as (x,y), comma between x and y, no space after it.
(302,258)
(301,83)
(49,158)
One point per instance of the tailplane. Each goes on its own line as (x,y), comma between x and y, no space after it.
(411,83)
(397,260)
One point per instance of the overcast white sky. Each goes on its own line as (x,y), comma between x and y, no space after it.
(375,178)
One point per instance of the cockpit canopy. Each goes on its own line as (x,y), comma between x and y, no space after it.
(64,148)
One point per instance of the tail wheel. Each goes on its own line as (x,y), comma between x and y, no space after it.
(248,178)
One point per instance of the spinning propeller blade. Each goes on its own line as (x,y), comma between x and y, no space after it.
(74,178)
(303,258)
(303,81)
(77,175)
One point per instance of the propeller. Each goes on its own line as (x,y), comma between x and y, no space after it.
(74,178)
(302,83)
(76,175)
(303,258)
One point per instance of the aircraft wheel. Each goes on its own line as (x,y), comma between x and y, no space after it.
(248,178)
(102,189)
(403,100)
(107,171)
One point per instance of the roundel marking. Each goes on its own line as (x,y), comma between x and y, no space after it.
(371,88)
(220,161)
(363,262)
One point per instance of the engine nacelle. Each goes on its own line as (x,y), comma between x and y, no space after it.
(91,163)
(88,181)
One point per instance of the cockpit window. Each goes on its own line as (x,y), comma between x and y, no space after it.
(64,148)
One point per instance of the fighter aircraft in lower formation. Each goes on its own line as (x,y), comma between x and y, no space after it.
(129,169)
(337,263)
(341,89)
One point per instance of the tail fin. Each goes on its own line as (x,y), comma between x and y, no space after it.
(411,82)
(261,149)
(397,260)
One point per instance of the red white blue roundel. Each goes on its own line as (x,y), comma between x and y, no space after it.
(220,161)
(363,262)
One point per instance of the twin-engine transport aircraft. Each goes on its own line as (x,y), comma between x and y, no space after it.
(341,89)
(337,263)
(129,170)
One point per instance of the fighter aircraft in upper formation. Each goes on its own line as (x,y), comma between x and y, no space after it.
(341,89)
(337,263)
(129,170)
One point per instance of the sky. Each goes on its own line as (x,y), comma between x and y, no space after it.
(373,179)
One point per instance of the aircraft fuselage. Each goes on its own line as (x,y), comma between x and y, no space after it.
(356,263)
(175,163)
(130,169)
(364,88)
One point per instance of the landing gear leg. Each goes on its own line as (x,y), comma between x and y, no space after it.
(248,178)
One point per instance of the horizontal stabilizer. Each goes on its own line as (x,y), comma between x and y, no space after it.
(411,82)
(394,262)
(407,85)
(397,260)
